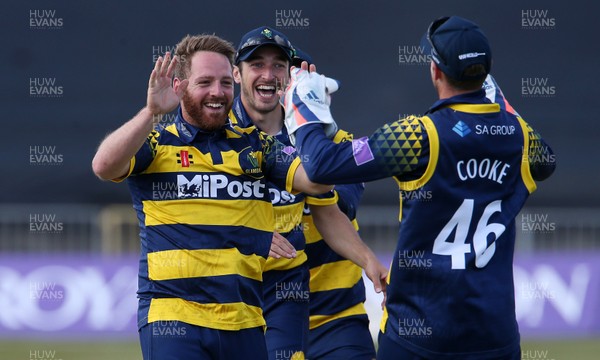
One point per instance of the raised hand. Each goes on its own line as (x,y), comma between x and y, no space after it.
(162,96)
(306,100)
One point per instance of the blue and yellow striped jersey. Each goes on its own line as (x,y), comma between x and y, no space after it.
(288,207)
(337,289)
(206,223)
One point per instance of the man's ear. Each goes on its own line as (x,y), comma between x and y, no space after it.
(237,74)
(436,73)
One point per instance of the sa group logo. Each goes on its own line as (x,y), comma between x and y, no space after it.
(494,130)
(461,129)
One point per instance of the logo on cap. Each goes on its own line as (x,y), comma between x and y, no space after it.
(470,55)
(267,33)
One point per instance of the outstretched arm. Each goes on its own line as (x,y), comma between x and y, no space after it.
(113,156)
(393,150)
(542,161)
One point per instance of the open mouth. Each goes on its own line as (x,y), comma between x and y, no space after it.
(266,91)
(215,105)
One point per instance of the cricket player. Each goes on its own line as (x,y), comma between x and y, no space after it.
(450,287)
(199,187)
(261,65)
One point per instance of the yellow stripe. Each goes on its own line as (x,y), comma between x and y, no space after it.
(318,320)
(434,150)
(384,318)
(286,264)
(230,316)
(342,135)
(181,264)
(385,315)
(311,234)
(288,217)
(210,212)
(232,135)
(525,169)
(289,180)
(342,274)
(476,108)
(323,201)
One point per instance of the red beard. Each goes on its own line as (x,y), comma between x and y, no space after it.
(206,122)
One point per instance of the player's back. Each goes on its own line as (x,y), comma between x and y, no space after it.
(451,280)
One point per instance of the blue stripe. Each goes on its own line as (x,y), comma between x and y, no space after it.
(334,301)
(213,289)
(179,236)
(296,238)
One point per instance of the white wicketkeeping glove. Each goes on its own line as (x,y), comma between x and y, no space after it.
(307,100)
(495,95)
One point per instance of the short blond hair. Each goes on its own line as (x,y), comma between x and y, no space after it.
(191,44)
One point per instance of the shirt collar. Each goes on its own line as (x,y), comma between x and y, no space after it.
(243,120)
(241,116)
(475,97)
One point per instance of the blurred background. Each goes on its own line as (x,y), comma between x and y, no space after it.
(78,70)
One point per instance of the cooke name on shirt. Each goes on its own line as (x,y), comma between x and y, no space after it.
(494,170)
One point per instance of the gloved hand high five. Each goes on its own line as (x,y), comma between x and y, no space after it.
(306,100)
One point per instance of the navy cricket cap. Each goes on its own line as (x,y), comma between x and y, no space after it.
(455,44)
(301,56)
(258,37)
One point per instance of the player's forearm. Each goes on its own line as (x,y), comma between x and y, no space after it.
(349,196)
(303,184)
(339,233)
(118,148)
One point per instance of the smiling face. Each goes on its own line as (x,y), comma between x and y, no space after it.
(260,77)
(208,98)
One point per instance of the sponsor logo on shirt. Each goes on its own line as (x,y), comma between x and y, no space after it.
(461,129)
(214,186)
(362,151)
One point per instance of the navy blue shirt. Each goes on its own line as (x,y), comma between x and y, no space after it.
(464,172)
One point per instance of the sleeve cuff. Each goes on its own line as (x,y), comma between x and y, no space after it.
(289,180)
(323,201)
(131,166)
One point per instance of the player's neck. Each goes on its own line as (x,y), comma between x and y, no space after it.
(270,122)
(445,92)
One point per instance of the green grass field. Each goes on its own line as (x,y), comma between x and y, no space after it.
(115,350)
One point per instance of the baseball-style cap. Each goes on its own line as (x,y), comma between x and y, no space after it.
(301,56)
(258,37)
(455,44)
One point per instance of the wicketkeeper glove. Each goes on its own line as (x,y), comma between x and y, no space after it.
(307,100)
(495,95)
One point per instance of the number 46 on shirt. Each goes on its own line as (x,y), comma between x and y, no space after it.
(461,221)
